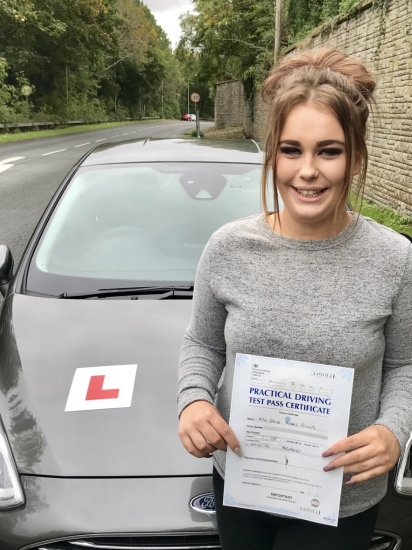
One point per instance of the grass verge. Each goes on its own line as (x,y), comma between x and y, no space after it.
(385,215)
(227,133)
(212,133)
(7,138)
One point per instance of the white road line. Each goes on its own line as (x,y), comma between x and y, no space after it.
(126,134)
(97,140)
(115,136)
(5,163)
(53,152)
(82,144)
(133,132)
(10,160)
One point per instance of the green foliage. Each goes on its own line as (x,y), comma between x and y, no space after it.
(385,215)
(193,80)
(230,39)
(234,39)
(348,5)
(84,59)
(193,134)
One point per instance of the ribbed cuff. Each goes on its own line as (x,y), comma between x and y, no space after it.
(190,396)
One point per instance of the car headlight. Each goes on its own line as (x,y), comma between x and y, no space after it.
(11,491)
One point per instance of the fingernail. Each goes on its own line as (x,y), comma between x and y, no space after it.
(329,467)
(327,453)
(350,482)
(238,451)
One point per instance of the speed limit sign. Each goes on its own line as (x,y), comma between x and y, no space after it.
(26,90)
(195,97)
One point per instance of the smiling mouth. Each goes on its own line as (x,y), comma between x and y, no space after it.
(309,192)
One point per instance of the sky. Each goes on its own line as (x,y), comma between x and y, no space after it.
(167,14)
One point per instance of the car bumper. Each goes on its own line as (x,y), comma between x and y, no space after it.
(59,509)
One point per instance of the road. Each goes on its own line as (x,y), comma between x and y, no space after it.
(31,171)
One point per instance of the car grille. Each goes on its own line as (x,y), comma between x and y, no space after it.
(145,542)
(380,541)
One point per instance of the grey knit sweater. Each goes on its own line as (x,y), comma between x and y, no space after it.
(345,301)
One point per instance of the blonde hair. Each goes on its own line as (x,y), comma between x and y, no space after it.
(329,79)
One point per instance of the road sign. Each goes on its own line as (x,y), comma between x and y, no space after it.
(195,97)
(26,90)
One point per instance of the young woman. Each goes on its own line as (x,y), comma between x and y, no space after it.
(312,283)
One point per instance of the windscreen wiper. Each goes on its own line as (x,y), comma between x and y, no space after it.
(161,292)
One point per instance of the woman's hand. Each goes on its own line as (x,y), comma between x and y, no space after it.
(202,430)
(374,451)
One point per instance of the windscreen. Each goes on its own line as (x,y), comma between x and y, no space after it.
(139,224)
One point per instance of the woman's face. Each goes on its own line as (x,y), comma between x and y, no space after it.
(311,164)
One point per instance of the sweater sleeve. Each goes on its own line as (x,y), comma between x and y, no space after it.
(396,394)
(203,351)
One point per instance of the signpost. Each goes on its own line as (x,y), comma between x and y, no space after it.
(278,12)
(195,98)
(27,90)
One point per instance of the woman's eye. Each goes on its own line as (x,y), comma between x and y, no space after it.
(331,152)
(289,150)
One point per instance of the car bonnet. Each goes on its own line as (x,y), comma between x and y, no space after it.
(51,348)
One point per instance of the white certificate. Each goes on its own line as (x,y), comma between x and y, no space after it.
(285,414)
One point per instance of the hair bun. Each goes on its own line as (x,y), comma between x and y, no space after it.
(324,59)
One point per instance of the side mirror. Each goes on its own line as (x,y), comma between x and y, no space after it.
(6,268)
(403,476)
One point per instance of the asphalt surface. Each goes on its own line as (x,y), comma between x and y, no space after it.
(31,171)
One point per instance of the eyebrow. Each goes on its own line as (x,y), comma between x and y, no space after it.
(318,144)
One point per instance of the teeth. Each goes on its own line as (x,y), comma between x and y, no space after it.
(308,193)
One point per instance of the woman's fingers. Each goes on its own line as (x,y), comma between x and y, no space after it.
(348,444)
(201,443)
(373,451)
(191,447)
(226,433)
(202,430)
(363,466)
(354,457)
(367,475)
(213,437)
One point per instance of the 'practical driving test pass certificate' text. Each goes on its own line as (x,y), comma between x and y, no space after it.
(285,414)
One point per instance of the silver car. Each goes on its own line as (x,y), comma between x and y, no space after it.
(90,333)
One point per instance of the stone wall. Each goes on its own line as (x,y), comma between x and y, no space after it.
(381,36)
(231,107)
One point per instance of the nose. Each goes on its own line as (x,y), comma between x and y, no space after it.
(308,170)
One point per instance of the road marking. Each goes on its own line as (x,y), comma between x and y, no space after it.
(126,134)
(97,140)
(82,144)
(53,152)
(133,132)
(6,163)
(115,136)
(10,160)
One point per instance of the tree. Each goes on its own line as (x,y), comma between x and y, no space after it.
(234,38)
(85,59)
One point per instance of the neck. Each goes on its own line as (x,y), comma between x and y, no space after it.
(296,229)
